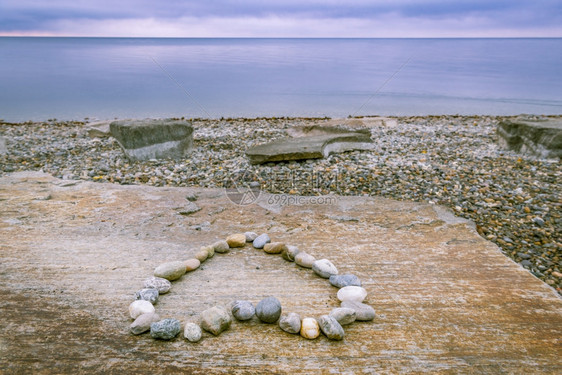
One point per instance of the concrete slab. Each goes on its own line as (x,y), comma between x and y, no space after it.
(541,137)
(447,301)
(313,147)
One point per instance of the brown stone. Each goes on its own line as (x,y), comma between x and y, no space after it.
(274,247)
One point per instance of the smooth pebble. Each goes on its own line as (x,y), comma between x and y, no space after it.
(331,328)
(344,315)
(250,236)
(202,255)
(261,240)
(352,293)
(304,259)
(215,320)
(170,271)
(324,268)
(268,310)
(162,285)
(221,247)
(274,247)
(142,323)
(192,332)
(363,312)
(139,307)
(310,328)
(339,281)
(290,253)
(209,249)
(191,264)
(236,240)
(243,310)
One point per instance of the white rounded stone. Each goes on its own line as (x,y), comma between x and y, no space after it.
(352,293)
(324,268)
(192,332)
(139,307)
(310,328)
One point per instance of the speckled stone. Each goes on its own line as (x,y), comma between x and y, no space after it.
(290,323)
(261,240)
(331,328)
(304,260)
(162,285)
(221,247)
(202,255)
(310,328)
(215,320)
(343,315)
(192,332)
(170,270)
(352,293)
(290,253)
(340,281)
(165,329)
(324,268)
(191,264)
(243,310)
(251,236)
(142,323)
(268,310)
(236,240)
(274,247)
(148,294)
(363,312)
(139,307)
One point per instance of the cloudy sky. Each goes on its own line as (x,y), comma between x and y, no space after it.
(282,18)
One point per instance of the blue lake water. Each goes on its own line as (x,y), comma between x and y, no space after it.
(104,78)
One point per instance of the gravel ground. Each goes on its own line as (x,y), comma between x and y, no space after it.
(515,200)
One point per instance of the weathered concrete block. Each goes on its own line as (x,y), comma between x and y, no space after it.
(538,137)
(315,147)
(153,139)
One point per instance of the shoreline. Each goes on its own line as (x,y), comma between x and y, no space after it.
(452,160)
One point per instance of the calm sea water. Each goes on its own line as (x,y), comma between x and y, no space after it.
(104,78)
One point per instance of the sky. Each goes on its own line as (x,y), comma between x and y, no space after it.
(282,18)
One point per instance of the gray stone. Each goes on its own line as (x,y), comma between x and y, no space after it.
(148,294)
(261,240)
(99,129)
(344,315)
(215,320)
(142,323)
(315,147)
(165,329)
(268,310)
(324,268)
(290,323)
(340,281)
(221,247)
(243,310)
(3,148)
(290,253)
(192,332)
(153,139)
(330,327)
(363,312)
(533,136)
(162,285)
(251,236)
(170,270)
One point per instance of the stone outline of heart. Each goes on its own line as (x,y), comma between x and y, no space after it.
(247,240)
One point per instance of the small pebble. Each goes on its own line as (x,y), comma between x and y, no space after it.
(210,251)
(162,285)
(324,268)
(290,323)
(331,328)
(142,323)
(251,236)
(274,247)
(243,310)
(310,328)
(290,253)
(202,255)
(304,260)
(191,264)
(148,294)
(343,315)
(165,329)
(139,307)
(236,240)
(215,320)
(339,281)
(352,293)
(192,332)
(221,247)
(268,310)
(170,271)
(363,312)
(261,240)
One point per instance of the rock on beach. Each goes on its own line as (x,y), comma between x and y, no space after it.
(304,259)
(139,307)
(215,320)
(142,323)
(243,310)
(290,323)
(148,294)
(192,332)
(330,327)
(268,310)
(340,281)
(363,312)
(352,293)
(165,329)
(310,328)
(170,271)
(261,240)
(324,268)
(236,240)
(162,285)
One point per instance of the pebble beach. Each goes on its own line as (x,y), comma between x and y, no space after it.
(515,200)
